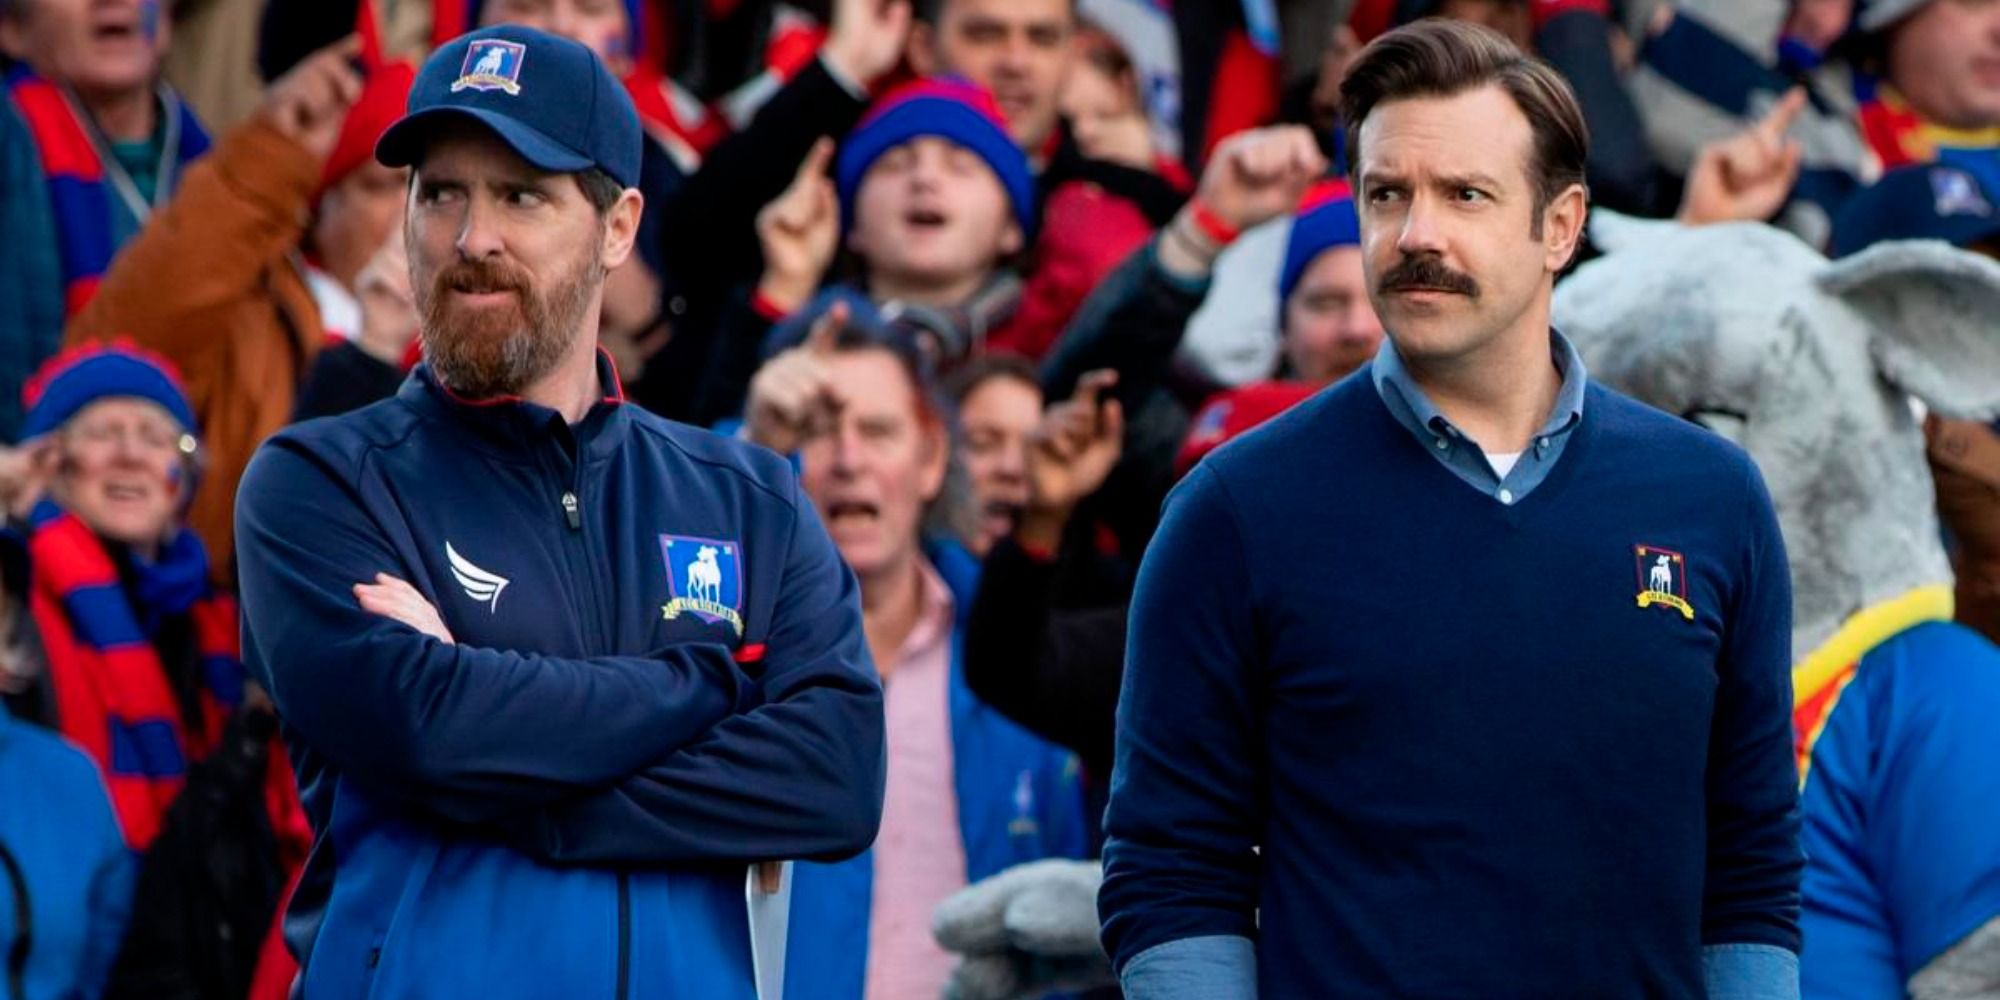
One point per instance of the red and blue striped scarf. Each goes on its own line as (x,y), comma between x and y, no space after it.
(112,693)
(76,179)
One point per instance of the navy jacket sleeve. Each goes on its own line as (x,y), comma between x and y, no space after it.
(799,776)
(1133,322)
(1754,860)
(467,734)
(1184,815)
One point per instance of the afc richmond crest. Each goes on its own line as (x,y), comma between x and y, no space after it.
(1663,579)
(705,578)
(491,64)
(1956,193)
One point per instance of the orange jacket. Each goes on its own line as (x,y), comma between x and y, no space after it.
(212,284)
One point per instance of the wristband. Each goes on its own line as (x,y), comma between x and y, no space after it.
(1211,225)
(762,305)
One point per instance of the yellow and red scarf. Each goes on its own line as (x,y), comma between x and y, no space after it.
(1819,679)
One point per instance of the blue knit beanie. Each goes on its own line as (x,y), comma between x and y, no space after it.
(75,379)
(1325,220)
(950,108)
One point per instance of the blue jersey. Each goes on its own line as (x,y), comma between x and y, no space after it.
(659,676)
(1901,802)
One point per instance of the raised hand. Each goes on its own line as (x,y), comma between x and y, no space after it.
(1069,456)
(799,231)
(1258,175)
(792,398)
(867,38)
(1125,139)
(1748,176)
(25,472)
(309,103)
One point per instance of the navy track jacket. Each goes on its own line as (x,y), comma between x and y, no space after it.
(659,675)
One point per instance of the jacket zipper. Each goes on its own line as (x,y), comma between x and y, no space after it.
(572,508)
(624,936)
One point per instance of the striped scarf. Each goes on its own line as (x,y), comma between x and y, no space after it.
(1900,137)
(76,178)
(112,693)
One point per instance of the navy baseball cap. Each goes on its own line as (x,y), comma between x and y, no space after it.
(1933,201)
(549,98)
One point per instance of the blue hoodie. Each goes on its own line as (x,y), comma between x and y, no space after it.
(63,862)
(659,677)
(1019,799)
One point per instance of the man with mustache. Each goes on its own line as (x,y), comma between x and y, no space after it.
(1466,677)
(555,672)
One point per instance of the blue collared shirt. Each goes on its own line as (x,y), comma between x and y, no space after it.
(1460,453)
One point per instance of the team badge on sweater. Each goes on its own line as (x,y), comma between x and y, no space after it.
(1663,579)
(705,579)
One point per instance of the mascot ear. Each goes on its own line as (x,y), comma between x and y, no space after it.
(1612,232)
(1934,317)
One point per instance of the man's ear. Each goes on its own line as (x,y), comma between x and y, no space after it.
(1563,219)
(921,49)
(621,227)
(1930,309)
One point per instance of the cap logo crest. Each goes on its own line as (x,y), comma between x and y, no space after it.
(491,64)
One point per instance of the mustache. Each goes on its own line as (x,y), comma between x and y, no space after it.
(480,276)
(1431,273)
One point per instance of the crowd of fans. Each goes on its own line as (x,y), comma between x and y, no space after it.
(995,272)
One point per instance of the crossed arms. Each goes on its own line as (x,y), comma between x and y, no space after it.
(605,760)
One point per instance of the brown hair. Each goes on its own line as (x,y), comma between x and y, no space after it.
(983,368)
(1440,58)
(1101,50)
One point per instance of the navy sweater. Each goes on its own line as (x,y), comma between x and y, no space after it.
(1415,742)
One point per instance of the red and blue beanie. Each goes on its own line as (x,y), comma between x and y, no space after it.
(1325,220)
(950,108)
(79,377)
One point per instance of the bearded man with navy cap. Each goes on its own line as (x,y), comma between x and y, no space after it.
(555,673)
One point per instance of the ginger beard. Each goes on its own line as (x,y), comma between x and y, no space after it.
(499,349)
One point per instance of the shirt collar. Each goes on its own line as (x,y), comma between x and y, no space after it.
(934,617)
(510,422)
(1395,385)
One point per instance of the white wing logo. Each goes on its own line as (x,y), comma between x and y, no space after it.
(479,584)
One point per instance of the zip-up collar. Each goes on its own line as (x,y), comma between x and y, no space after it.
(511,428)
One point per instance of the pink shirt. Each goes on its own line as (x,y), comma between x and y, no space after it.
(919,859)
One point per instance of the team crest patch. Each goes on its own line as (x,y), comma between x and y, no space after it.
(1663,579)
(491,64)
(705,579)
(1956,193)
